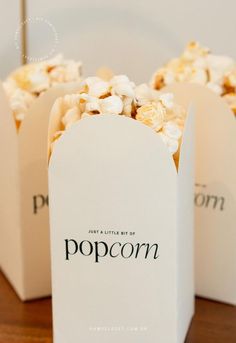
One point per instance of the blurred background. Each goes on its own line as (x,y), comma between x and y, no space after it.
(129,36)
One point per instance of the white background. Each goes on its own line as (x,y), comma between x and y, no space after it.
(9,22)
(130,36)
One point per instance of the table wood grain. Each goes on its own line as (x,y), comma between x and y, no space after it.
(31,322)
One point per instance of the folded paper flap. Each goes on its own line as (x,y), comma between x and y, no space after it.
(10,199)
(54,124)
(185,205)
(110,174)
(7,118)
(32,139)
(108,126)
(215,133)
(186,156)
(9,152)
(215,192)
(185,93)
(34,128)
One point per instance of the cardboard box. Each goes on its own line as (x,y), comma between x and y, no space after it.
(215,192)
(121,221)
(24,229)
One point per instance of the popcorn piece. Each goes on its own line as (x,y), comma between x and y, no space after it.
(70,117)
(120,96)
(55,138)
(152,115)
(97,87)
(167,99)
(31,80)
(20,101)
(93,106)
(172,144)
(230,82)
(121,85)
(128,106)
(145,95)
(39,81)
(111,105)
(231,101)
(198,65)
(171,130)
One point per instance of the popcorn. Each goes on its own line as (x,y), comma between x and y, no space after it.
(97,87)
(30,81)
(111,105)
(121,85)
(20,101)
(128,106)
(71,116)
(172,144)
(92,106)
(231,101)
(171,130)
(167,100)
(145,94)
(152,115)
(230,81)
(55,137)
(120,96)
(198,65)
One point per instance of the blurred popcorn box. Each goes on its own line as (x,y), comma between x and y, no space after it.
(24,228)
(215,192)
(121,221)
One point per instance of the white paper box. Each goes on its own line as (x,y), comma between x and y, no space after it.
(215,192)
(24,229)
(108,174)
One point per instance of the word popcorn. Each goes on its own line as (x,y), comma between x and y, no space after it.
(120,96)
(101,249)
(203,199)
(31,80)
(198,65)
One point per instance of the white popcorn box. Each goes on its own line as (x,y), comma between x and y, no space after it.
(24,224)
(121,221)
(215,192)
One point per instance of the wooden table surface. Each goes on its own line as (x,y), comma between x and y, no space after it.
(31,322)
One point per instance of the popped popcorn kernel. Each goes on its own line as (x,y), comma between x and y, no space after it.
(172,130)
(111,105)
(172,144)
(28,82)
(97,87)
(231,101)
(198,65)
(71,116)
(145,94)
(151,115)
(120,96)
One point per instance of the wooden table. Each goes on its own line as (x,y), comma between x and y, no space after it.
(31,322)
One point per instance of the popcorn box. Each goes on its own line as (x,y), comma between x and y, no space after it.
(24,229)
(215,192)
(121,221)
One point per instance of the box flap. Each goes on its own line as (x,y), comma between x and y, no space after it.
(112,187)
(215,191)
